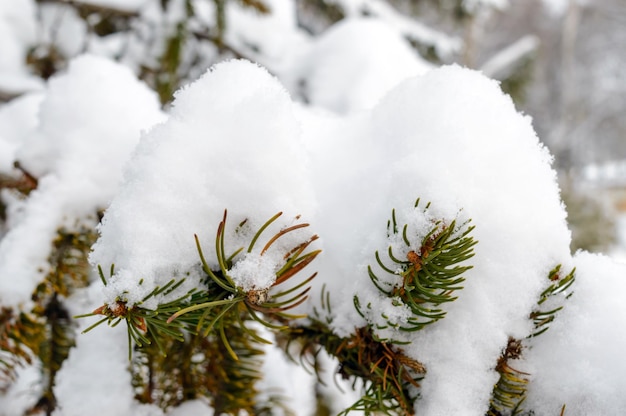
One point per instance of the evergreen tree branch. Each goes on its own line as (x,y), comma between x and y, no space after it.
(429,270)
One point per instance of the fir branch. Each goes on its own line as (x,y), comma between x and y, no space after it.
(221,304)
(228,299)
(430,270)
(201,366)
(389,378)
(146,326)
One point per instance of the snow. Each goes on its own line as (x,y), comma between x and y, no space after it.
(105,382)
(579,360)
(255,272)
(192,408)
(269,37)
(17,33)
(231,143)
(63,27)
(19,120)
(84,135)
(443,44)
(452,138)
(24,393)
(358,137)
(286,379)
(338,74)
(407,136)
(557,7)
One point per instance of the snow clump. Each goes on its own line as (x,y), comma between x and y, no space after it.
(88,123)
(231,143)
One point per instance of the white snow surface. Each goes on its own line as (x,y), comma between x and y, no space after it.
(452,138)
(24,393)
(105,382)
(272,37)
(285,378)
(84,134)
(17,33)
(375,135)
(409,27)
(579,360)
(231,143)
(338,73)
(19,120)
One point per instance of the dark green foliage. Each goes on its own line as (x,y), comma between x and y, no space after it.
(69,266)
(429,269)
(21,333)
(428,272)
(146,326)
(233,379)
(170,54)
(517,82)
(200,366)
(168,80)
(317,15)
(69,270)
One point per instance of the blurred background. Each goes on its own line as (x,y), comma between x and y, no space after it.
(562,61)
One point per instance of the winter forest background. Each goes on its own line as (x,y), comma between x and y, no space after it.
(447,172)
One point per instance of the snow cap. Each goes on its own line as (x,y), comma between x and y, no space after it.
(231,142)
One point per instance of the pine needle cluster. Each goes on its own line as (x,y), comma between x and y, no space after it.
(211,335)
